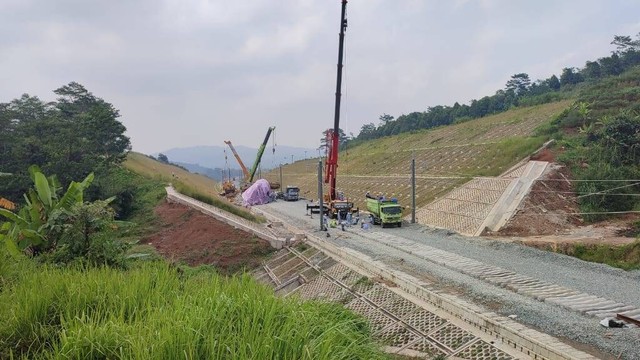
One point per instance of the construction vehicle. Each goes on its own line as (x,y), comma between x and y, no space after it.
(229,188)
(256,163)
(245,172)
(384,212)
(335,204)
(291,193)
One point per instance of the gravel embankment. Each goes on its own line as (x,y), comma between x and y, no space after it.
(595,279)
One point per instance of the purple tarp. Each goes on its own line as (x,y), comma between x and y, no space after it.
(257,194)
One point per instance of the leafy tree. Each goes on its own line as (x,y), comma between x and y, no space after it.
(611,65)
(592,70)
(624,43)
(163,158)
(553,82)
(519,84)
(73,136)
(342,139)
(570,77)
(385,119)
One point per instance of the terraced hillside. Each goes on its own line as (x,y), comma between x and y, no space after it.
(445,157)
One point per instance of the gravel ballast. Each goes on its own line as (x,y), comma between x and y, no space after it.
(595,279)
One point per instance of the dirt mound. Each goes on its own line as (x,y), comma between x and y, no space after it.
(548,216)
(544,155)
(194,238)
(548,209)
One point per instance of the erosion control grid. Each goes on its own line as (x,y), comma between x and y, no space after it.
(398,323)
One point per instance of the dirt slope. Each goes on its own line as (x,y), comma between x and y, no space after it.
(548,215)
(188,236)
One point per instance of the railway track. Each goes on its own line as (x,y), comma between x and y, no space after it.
(408,315)
(541,290)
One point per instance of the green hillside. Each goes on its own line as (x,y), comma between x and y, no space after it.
(151,168)
(445,156)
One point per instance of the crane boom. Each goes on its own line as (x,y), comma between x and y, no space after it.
(245,172)
(333,136)
(254,168)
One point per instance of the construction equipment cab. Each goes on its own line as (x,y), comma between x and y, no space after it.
(291,193)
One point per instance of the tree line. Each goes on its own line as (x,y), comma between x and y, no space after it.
(519,90)
(71,137)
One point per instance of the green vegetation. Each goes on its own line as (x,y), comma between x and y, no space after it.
(519,91)
(626,257)
(69,291)
(193,185)
(76,135)
(155,311)
(217,202)
(599,141)
(63,227)
(445,156)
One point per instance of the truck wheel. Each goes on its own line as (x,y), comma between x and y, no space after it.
(399,224)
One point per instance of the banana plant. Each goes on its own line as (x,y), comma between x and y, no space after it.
(38,224)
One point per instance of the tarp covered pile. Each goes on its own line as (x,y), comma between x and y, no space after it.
(257,194)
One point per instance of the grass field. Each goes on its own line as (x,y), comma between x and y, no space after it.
(154,169)
(196,186)
(445,157)
(158,311)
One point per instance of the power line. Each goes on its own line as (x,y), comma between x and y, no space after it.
(587,213)
(604,191)
(573,192)
(591,180)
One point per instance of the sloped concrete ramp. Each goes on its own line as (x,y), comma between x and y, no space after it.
(482,202)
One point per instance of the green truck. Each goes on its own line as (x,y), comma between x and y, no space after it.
(385,212)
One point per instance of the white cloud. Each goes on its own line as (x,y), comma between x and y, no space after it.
(195,72)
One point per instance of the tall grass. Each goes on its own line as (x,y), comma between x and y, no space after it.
(626,256)
(216,201)
(193,185)
(161,312)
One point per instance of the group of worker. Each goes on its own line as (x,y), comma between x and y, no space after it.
(348,221)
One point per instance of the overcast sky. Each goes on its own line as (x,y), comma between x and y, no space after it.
(197,72)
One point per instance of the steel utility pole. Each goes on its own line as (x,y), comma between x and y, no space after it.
(413,190)
(320,201)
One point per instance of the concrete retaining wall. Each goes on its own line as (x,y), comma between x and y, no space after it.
(233,220)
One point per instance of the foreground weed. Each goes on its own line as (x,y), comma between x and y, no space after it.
(158,311)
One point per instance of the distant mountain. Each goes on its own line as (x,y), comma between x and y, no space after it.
(212,157)
(217,174)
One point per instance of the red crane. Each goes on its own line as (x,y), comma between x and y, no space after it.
(333,136)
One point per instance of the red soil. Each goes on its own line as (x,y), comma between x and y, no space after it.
(189,236)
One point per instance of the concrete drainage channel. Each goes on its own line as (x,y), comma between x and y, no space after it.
(405,315)
(404,325)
